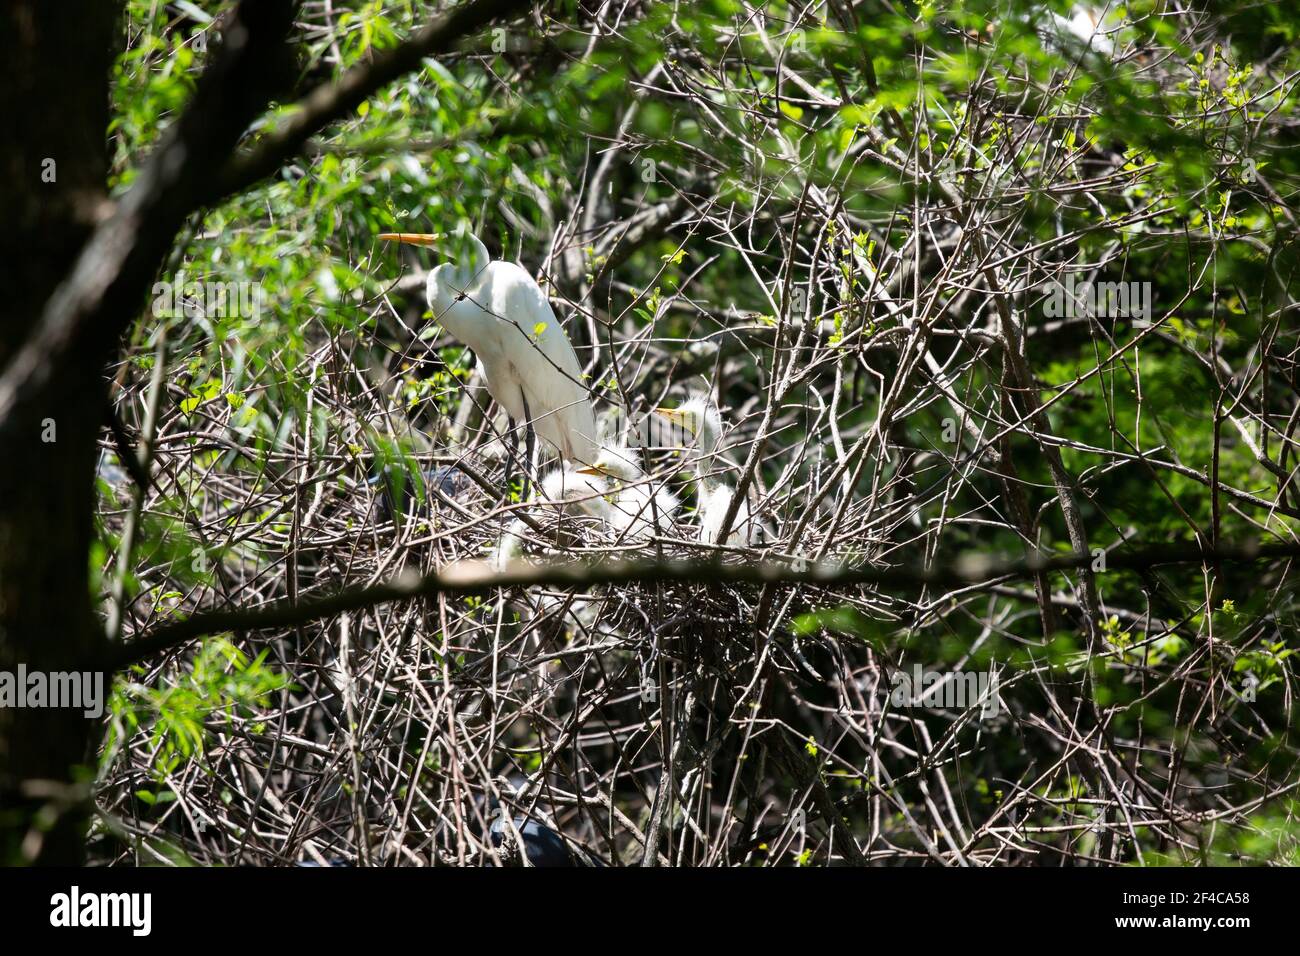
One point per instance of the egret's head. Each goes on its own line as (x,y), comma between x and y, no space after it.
(617,463)
(699,418)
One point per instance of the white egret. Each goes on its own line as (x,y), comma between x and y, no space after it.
(577,492)
(700,418)
(500,312)
(635,502)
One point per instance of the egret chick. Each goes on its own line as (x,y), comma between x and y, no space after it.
(636,502)
(699,417)
(566,492)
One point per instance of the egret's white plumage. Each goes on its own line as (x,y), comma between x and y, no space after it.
(529,366)
(573,491)
(635,502)
(700,418)
(562,491)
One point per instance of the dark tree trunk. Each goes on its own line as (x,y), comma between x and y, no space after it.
(55,61)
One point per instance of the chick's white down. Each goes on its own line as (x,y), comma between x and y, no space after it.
(615,491)
(636,502)
(562,491)
(570,491)
(700,418)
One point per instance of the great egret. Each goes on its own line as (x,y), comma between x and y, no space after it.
(500,312)
(700,418)
(635,502)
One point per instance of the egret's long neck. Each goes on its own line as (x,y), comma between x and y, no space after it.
(443,289)
(475,259)
(471,260)
(450,281)
(708,462)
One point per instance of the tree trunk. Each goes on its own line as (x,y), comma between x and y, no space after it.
(55,61)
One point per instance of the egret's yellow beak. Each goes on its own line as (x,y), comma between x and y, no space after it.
(593,471)
(412,238)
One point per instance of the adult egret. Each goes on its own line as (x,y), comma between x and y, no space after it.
(529,366)
(700,418)
(635,501)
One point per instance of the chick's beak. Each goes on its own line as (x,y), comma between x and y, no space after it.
(675,416)
(593,471)
(412,238)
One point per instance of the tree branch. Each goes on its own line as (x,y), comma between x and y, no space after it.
(193,167)
(475,577)
(104,287)
(329,102)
